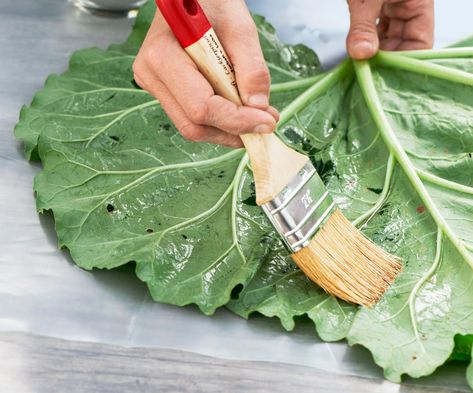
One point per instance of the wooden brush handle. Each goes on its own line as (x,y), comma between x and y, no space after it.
(274,164)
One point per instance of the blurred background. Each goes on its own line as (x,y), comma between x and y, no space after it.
(320,24)
(323,25)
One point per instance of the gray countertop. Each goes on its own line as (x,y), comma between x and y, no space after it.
(95,320)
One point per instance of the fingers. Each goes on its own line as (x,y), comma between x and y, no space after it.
(405,9)
(189,130)
(164,69)
(273,112)
(411,24)
(240,38)
(362,41)
(392,36)
(195,95)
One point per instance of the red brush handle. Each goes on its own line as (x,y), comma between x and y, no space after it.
(186,19)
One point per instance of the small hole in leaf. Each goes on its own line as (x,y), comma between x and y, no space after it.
(236,291)
(149,230)
(376,190)
(110,208)
(111,97)
(115,138)
(250,201)
(184,237)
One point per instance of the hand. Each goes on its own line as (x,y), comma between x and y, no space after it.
(164,69)
(389,25)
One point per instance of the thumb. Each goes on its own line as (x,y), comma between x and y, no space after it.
(240,38)
(251,72)
(363,41)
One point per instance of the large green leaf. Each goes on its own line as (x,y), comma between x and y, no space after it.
(393,139)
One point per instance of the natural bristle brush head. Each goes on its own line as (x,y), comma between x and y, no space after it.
(346,264)
(325,245)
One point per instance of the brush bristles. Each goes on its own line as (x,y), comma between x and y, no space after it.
(346,264)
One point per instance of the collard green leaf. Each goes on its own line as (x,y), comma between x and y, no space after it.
(393,139)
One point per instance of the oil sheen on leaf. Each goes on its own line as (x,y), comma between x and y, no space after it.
(393,139)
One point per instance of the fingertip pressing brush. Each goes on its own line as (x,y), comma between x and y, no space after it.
(324,244)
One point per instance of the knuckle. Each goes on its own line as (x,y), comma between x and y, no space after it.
(363,27)
(199,113)
(139,74)
(139,81)
(425,38)
(139,62)
(149,47)
(151,53)
(260,73)
(136,67)
(155,51)
(414,6)
(191,132)
(240,127)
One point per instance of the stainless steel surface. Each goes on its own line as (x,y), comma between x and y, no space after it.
(110,8)
(112,5)
(43,292)
(300,209)
(58,366)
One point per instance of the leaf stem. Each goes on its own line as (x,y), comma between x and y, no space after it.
(451,185)
(118,118)
(427,276)
(447,53)
(364,218)
(397,61)
(236,188)
(365,79)
(295,84)
(319,88)
(281,70)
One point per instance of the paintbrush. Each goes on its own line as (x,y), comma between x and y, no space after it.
(324,244)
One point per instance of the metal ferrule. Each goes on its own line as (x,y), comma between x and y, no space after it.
(301,208)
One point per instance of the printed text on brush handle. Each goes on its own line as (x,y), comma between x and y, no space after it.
(212,60)
(221,56)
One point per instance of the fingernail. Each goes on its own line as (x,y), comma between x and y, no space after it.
(363,49)
(259,100)
(263,129)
